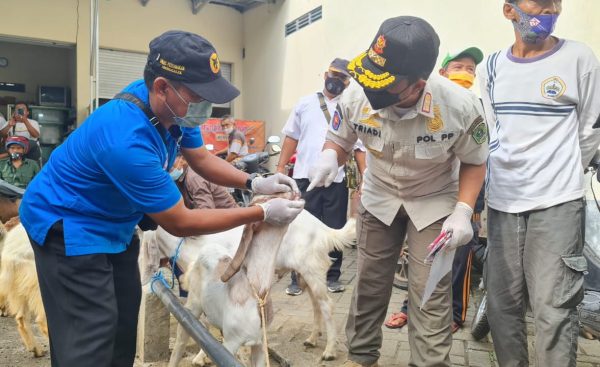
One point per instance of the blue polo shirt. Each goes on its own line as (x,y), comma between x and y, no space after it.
(104,177)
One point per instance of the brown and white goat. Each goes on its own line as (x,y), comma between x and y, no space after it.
(19,287)
(304,249)
(229,284)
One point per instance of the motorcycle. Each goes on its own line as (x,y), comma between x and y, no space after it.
(255,163)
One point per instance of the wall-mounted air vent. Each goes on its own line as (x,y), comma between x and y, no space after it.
(304,20)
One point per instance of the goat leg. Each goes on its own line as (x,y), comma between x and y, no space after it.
(316,328)
(257,356)
(201,359)
(322,310)
(195,307)
(27,337)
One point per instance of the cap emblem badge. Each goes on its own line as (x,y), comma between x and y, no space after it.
(215,64)
(379,45)
(366,78)
(379,60)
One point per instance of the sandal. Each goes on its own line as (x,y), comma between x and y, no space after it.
(396,320)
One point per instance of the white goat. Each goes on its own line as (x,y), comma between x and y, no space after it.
(304,249)
(19,287)
(231,287)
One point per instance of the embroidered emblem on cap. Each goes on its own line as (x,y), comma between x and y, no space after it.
(553,87)
(215,64)
(336,121)
(379,45)
(367,78)
(170,67)
(436,123)
(379,60)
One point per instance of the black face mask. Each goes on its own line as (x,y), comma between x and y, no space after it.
(379,100)
(334,86)
(15,156)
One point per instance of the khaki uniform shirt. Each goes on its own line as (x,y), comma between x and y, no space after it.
(413,156)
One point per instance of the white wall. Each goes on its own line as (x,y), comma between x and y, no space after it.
(124,25)
(34,66)
(280,70)
(277,70)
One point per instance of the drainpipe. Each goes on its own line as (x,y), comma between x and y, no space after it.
(94,53)
(215,350)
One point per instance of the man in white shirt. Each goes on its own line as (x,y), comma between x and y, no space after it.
(305,133)
(21,125)
(3,153)
(541,97)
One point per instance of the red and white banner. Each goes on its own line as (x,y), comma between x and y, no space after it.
(212,133)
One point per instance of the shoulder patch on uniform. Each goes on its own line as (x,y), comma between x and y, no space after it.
(474,124)
(426,107)
(336,120)
(478,130)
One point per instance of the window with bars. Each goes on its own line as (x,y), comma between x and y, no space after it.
(304,20)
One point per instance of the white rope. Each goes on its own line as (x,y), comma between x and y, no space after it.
(261,303)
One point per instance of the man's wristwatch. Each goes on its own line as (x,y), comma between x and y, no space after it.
(249,181)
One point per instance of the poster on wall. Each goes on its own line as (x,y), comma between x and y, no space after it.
(212,133)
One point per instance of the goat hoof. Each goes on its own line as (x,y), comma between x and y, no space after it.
(201,361)
(37,353)
(328,357)
(309,344)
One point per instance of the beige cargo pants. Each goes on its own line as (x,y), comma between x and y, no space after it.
(379,245)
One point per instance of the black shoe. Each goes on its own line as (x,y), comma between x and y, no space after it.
(335,287)
(293,290)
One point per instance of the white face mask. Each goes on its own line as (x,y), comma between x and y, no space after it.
(228,130)
(176,173)
(196,115)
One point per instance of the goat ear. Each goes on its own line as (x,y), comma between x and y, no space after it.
(240,255)
(222,265)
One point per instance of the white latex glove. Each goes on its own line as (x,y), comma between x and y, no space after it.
(324,171)
(280,211)
(274,184)
(459,222)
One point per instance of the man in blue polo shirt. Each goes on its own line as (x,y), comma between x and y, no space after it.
(81,210)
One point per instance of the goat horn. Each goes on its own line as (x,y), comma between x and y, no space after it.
(240,255)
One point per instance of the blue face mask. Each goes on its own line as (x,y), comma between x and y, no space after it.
(196,115)
(534,28)
(176,173)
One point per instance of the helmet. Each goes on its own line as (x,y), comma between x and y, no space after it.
(19,140)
